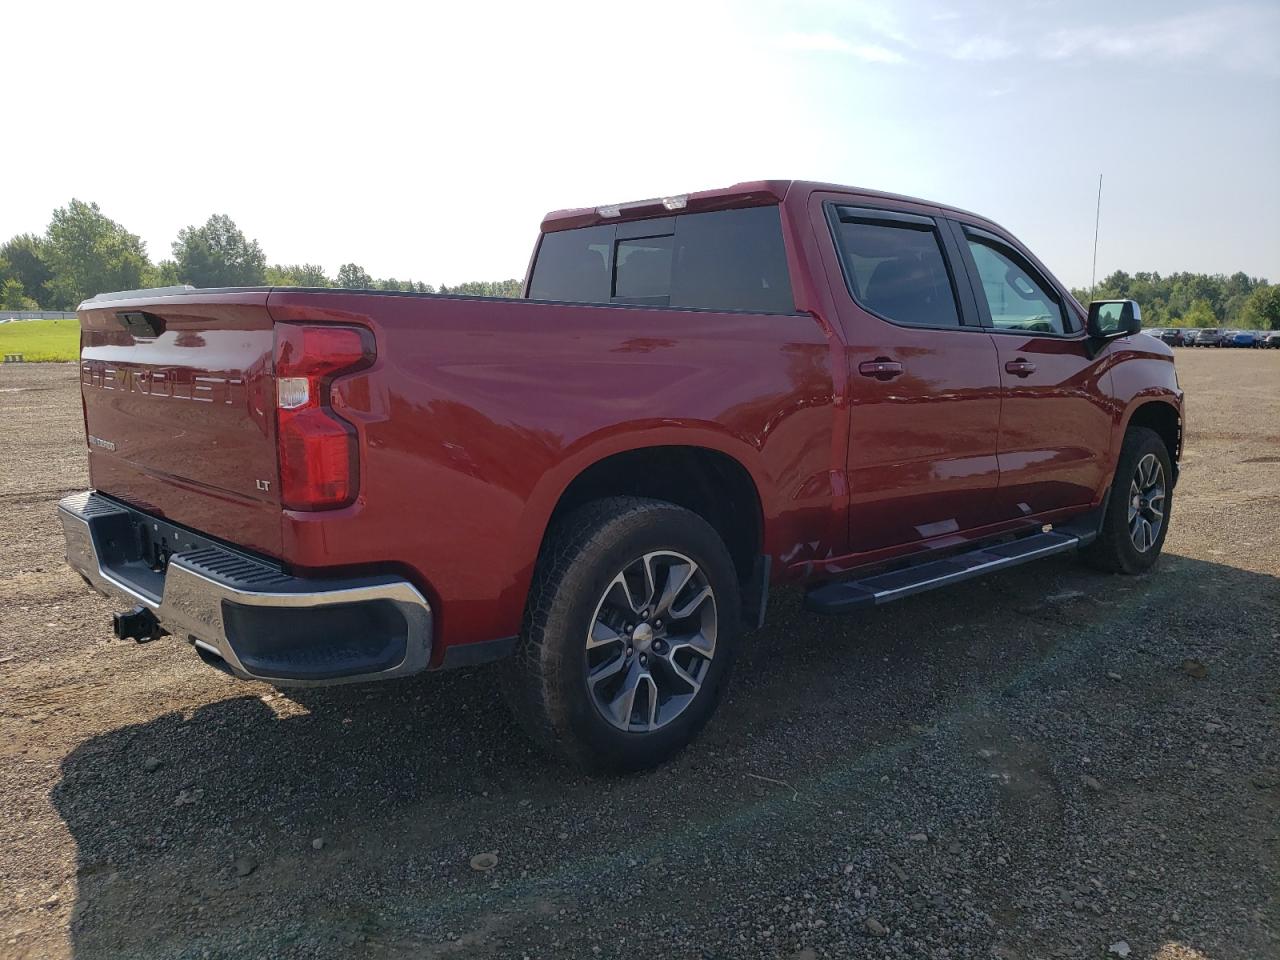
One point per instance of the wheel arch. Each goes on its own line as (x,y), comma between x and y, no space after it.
(1162,416)
(706,480)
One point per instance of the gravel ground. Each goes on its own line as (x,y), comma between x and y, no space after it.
(1049,763)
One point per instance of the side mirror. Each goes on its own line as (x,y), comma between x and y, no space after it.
(1109,319)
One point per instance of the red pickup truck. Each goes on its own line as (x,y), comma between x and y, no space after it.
(699,397)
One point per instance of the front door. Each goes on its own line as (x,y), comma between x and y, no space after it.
(924,383)
(1055,424)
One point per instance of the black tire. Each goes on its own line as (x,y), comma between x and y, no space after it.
(1115,550)
(545,681)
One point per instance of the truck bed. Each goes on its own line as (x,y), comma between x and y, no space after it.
(472,419)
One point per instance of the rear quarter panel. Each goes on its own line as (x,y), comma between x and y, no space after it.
(479,413)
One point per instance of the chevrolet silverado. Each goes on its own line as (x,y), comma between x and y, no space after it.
(699,397)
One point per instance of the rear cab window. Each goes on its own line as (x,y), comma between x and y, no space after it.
(728,260)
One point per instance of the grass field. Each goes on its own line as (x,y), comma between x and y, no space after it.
(41,340)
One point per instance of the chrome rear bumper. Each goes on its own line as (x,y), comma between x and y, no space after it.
(262,623)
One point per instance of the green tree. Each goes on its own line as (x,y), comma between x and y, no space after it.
(1200,314)
(1262,310)
(1166,300)
(352,276)
(13,297)
(163,274)
(297,275)
(311,275)
(89,253)
(490,288)
(27,262)
(218,254)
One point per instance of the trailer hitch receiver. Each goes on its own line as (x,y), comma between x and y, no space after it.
(138,624)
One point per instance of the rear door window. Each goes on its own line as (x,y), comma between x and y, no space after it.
(894,266)
(720,260)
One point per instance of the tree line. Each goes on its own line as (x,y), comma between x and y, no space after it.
(1194,299)
(83,252)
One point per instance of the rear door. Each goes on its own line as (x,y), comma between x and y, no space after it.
(924,385)
(1055,419)
(180,410)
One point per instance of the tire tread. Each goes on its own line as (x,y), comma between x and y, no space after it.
(1112,550)
(529,675)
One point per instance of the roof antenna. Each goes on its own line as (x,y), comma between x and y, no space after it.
(1093,279)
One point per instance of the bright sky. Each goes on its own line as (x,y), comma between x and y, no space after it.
(426,140)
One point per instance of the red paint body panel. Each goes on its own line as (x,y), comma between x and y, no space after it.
(191,414)
(477,415)
(1055,426)
(922,447)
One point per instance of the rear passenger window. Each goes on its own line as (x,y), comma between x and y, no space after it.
(894,267)
(721,260)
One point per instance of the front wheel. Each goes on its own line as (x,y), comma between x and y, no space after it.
(1137,516)
(629,634)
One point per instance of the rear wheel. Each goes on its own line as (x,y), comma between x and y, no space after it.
(629,634)
(1137,515)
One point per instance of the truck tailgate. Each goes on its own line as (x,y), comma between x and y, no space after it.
(180,410)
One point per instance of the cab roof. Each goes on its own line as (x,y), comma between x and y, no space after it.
(749,193)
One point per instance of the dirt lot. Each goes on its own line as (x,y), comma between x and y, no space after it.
(1033,765)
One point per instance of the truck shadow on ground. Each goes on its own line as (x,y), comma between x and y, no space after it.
(184,824)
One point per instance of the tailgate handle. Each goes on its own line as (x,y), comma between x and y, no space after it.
(140,323)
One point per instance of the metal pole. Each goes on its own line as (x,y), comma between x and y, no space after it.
(1097,218)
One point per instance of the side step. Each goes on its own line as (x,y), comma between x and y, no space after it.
(846,595)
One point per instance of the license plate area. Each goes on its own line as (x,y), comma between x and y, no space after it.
(159,540)
(135,549)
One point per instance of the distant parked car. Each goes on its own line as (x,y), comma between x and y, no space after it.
(1209,337)
(1244,338)
(1271,341)
(1189,337)
(1173,337)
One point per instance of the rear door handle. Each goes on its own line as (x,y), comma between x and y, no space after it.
(1020,367)
(881,368)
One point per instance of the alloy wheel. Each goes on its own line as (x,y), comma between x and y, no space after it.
(651,641)
(1146,503)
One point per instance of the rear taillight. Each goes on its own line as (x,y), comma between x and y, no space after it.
(318,450)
